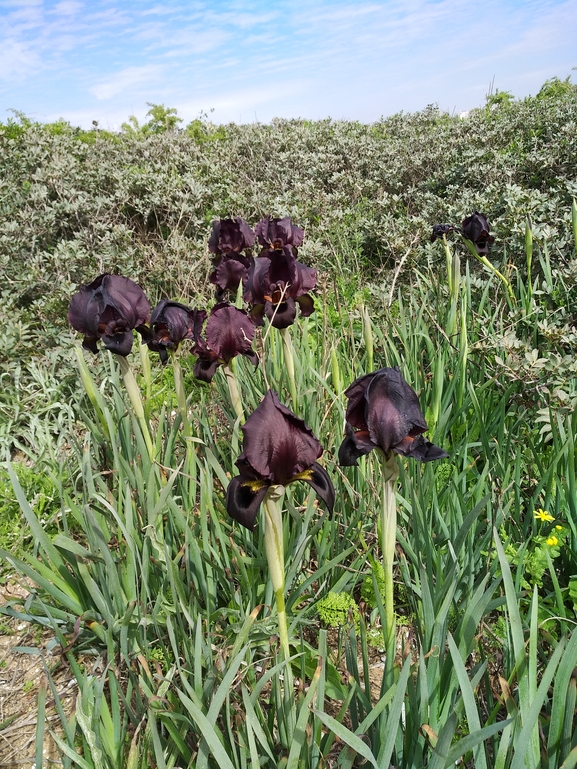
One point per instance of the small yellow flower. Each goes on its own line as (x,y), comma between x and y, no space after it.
(552,541)
(543,515)
(559,528)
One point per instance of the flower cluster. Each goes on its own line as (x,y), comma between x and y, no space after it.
(278,447)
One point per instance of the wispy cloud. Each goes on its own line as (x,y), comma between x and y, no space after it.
(125,80)
(280,57)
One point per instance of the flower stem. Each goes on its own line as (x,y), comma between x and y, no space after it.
(136,400)
(289,363)
(180,394)
(91,390)
(489,266)
(274,546)
(388,543)
(368,337)
(146,369)
(234,391)
(454,280)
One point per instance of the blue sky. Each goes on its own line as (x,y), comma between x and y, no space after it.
(252,60)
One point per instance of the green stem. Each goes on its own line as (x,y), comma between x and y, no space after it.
(489,266)
(274,547)
(234,391)
(146,368)
(289,363)
(368,337)
(180,394)
(453,281)
(463,352)
(91,390)
(388,543)
(136,400)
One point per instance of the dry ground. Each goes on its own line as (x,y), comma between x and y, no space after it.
(21,674)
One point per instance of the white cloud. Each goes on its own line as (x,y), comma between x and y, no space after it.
(126,79)
(17,61)
(66,8)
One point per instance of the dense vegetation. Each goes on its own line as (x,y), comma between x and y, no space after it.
(162,606)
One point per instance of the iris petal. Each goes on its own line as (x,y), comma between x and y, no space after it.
(386,412)
(229,332)
(109,308)
(244,496)
(281,315)
(277,444)
(393,410)
(420,448)
(317,477)
(306,305)
(121,343)
(205,369)
(355,445)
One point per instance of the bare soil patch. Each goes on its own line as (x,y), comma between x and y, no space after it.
(21,674)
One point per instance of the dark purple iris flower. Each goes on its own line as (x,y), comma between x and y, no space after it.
(229,332)
(275,284)
(476,229)
(385,411)
(229,272)
(278,449)
(228,239)
(171,324)
(109,309)
(441,229)
(230,236)
(274,234)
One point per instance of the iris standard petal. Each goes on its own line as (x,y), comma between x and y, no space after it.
(229,331)
(229,273)
(230,235)
(277,444)
(84,312)
(476,229)
(356,408)
(127,298)
(244,496)
(277,233)
(258,283)
(392,411)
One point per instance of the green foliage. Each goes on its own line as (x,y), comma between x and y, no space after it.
(162,606)
(368,585)
(43,493)
(161,120)
(555,88)
(338,610)
(499,99)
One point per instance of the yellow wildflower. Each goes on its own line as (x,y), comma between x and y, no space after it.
(559,528)
(543,515)
(552,541)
